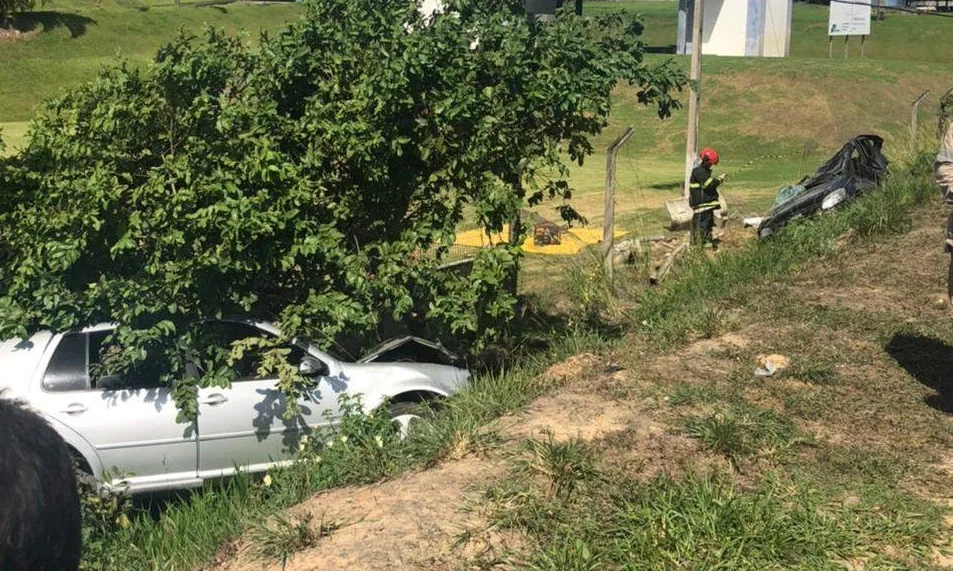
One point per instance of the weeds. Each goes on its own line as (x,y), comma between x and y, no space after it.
(743,431)
(589,289)
(565,554)
(104,513)
(693,394)
(579,520)
(281,537)
(565,465)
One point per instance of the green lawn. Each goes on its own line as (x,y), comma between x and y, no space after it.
(900,36)
(69,40)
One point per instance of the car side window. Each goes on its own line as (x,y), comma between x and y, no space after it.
(145,375)
(68,368)
(224,333)
(74,363)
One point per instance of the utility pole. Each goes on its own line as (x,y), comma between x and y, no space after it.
(691,148)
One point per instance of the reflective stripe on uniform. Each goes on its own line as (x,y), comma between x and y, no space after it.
(708,182)
(705,206)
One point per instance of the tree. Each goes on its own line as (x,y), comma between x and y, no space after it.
(8,8)
(317,181)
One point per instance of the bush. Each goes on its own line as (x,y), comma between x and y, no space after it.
(317,182)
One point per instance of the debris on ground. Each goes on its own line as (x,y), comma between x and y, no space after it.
(629,251)
(548,233)
(680,214)
(768,365)
(666,267)
(752,222)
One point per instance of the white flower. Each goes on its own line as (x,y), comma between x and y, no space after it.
(267,480)
(379,441)
(344,439)
(317,459)
(304,439)
(329,444)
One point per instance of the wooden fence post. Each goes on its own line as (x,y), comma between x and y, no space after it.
(608,225)
(914,119)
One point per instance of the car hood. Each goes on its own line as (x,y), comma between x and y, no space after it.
(410,349)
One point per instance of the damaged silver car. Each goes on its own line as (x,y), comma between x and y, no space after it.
(130,423)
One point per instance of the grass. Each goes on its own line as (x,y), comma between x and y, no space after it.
(280,538)
(706,522)
(564,465)
(772,120)
(742,431)
(747,113)
(68,41)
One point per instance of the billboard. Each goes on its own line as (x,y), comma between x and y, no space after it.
(851,19)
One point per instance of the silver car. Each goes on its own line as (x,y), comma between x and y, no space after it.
(130,424)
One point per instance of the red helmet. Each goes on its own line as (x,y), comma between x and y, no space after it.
(709,156)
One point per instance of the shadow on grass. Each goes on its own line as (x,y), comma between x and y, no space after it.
(50,21)
(929,361)
(669,49)
(218,5)
(674,185)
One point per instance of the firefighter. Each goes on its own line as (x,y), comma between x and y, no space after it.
(703,198)
(943,169)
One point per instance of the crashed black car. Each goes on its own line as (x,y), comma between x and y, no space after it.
(858,167)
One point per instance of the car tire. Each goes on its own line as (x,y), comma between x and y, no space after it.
(407,416)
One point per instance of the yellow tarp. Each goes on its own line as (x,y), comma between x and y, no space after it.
(573,240)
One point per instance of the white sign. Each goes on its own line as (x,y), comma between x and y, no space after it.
(851,19)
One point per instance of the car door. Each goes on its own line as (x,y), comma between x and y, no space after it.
(130,422)
(244,426)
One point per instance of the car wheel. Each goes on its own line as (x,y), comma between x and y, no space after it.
(407,416)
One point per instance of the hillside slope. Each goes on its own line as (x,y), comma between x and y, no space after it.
(841,459)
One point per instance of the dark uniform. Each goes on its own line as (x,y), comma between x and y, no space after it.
(703,198)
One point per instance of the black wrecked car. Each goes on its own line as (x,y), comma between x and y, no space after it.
(858,167)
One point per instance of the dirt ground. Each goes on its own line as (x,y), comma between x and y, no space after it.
(871,351)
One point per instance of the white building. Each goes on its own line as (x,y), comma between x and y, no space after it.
(752,28)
